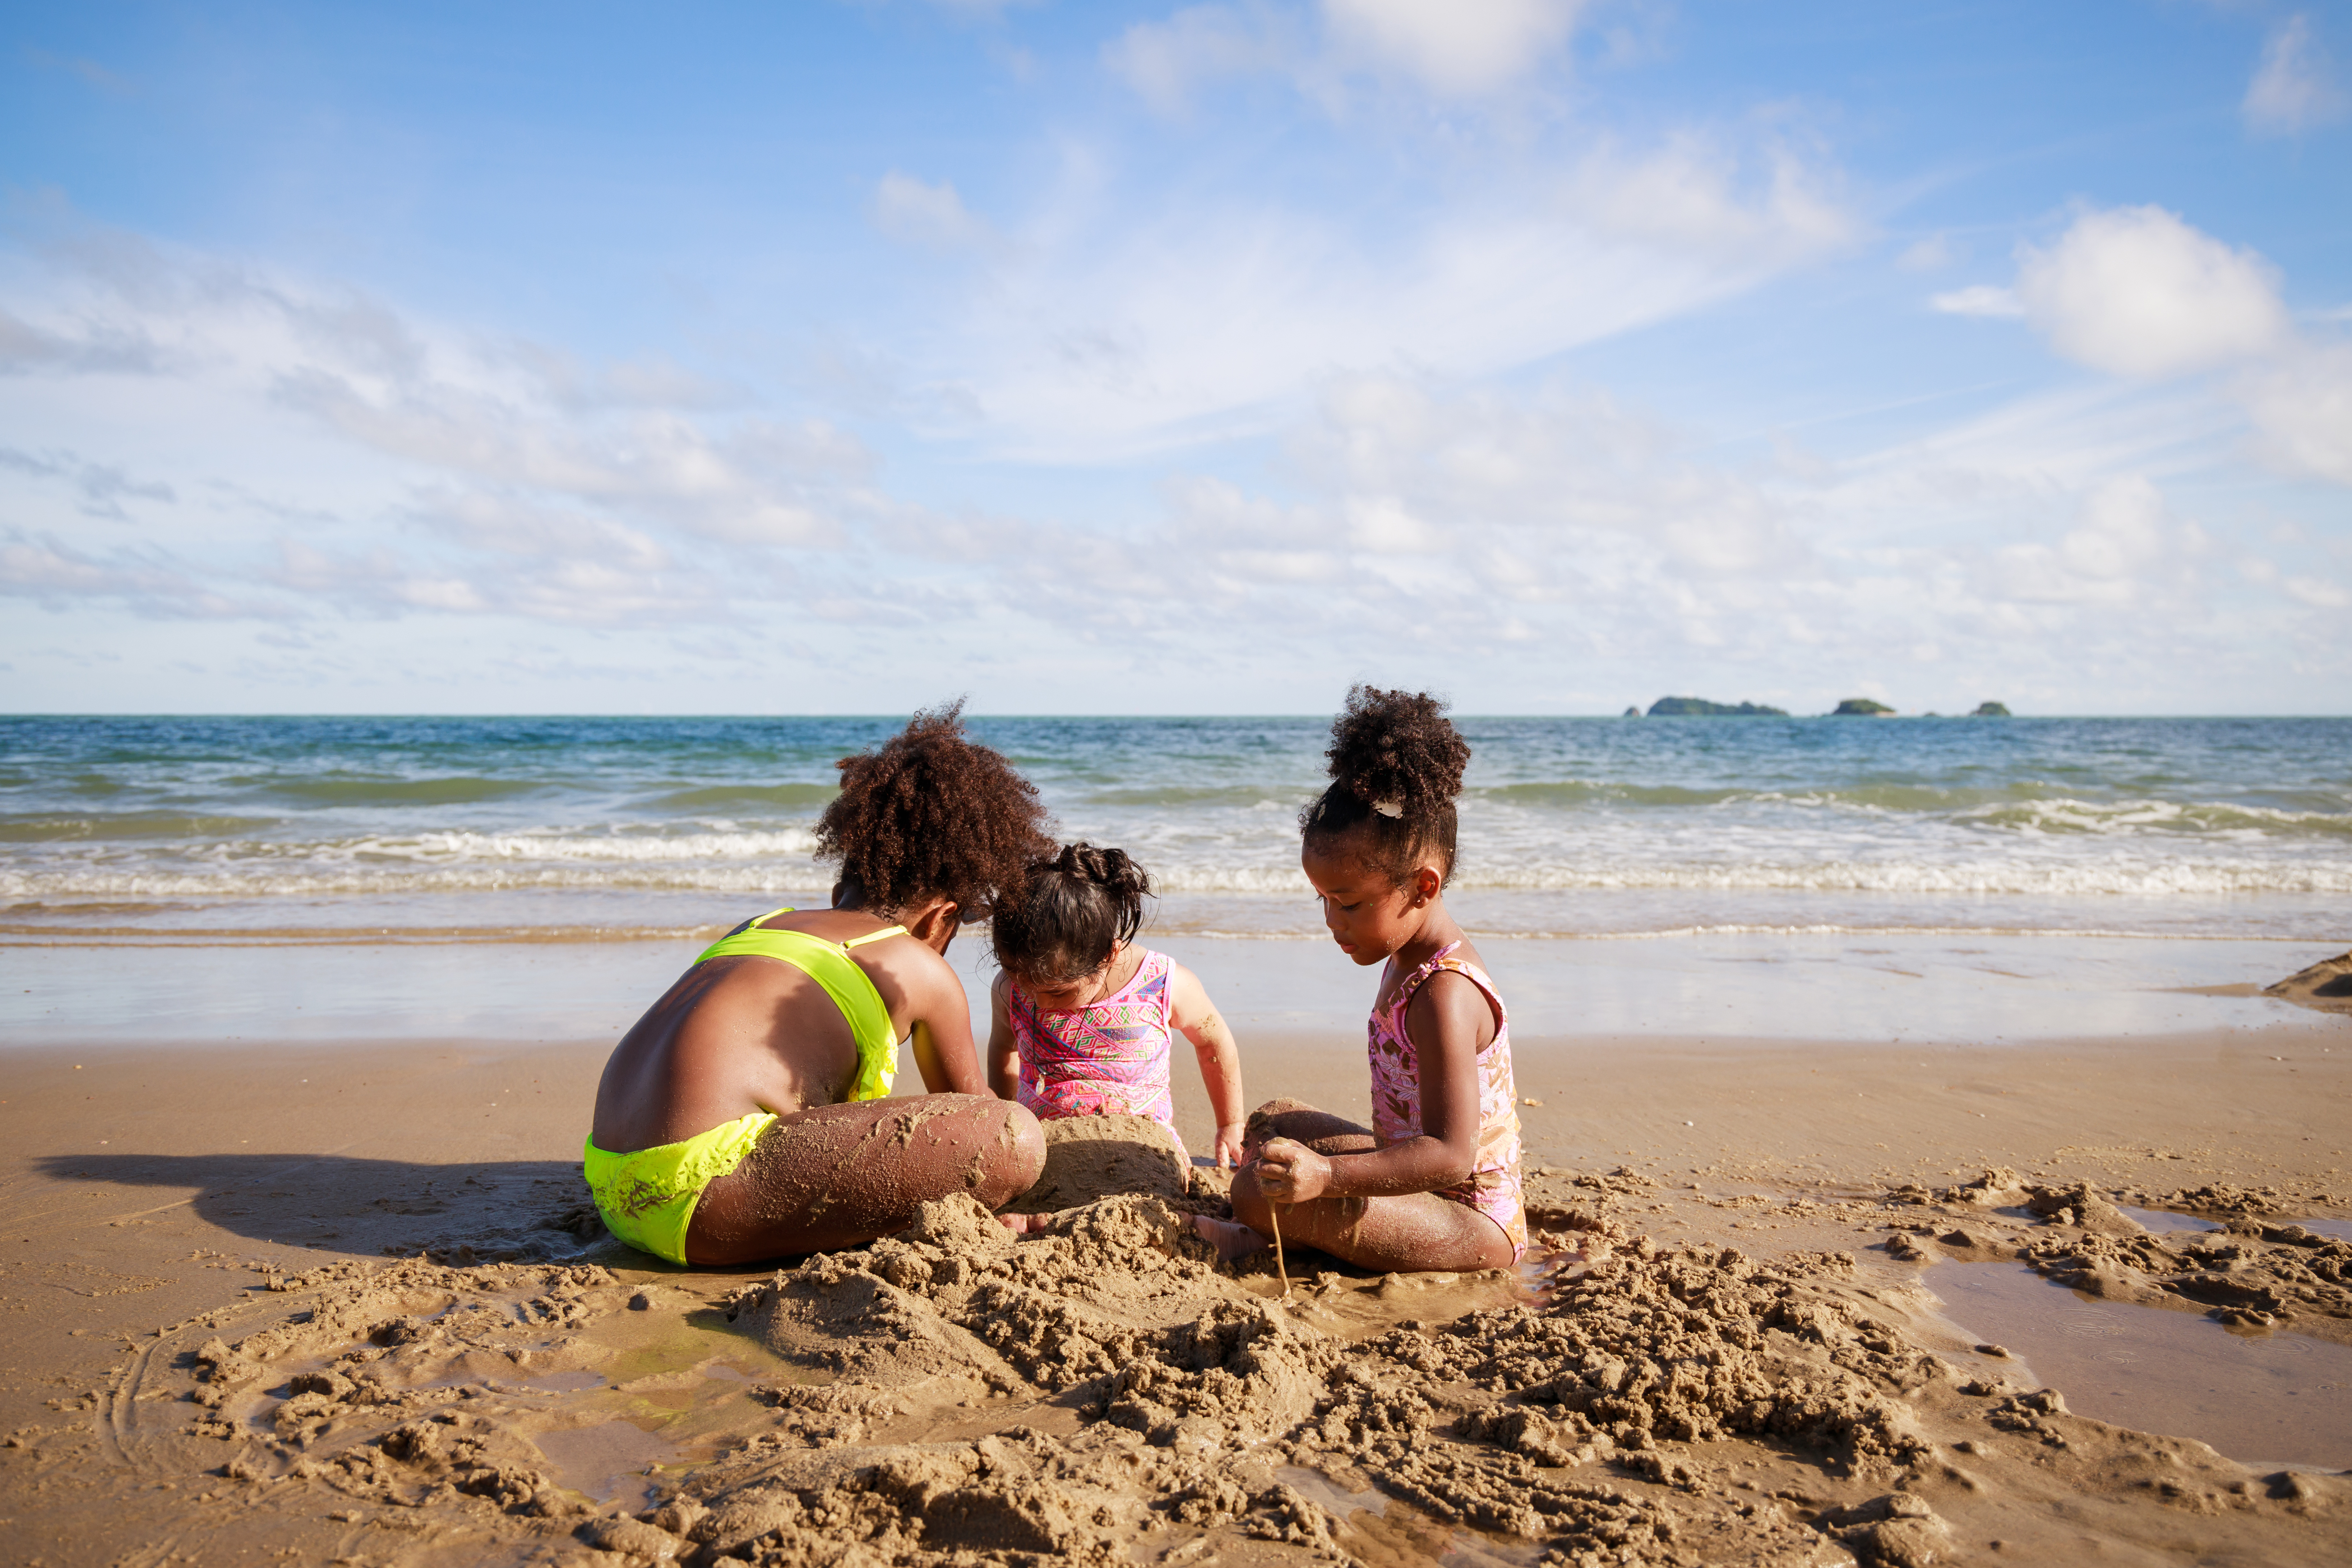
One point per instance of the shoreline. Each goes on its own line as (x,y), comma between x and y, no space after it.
(1841,986)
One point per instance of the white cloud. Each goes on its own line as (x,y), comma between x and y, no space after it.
(156,584)
(2302,404)
(484,477)
(2134,291)
(2293,88)
(102,487)
(1166,63)
(2125,548)
(1693,193)
(1456,47)
(1928,255)
(988,8)
(2138,293)
(2317,593)
(1105,331)
(1459,49)
(907,208)
(1978,299)
(1419,514)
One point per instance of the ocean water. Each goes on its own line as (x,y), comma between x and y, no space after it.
(293,830)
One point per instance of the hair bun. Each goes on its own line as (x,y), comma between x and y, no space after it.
(1112,869)
(1073,910)
(1394,749)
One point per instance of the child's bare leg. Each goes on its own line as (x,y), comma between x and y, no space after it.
(1413,1231)
(1302,1123)
(1410,1232)
(840,1174)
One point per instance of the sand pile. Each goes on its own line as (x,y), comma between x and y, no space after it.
(1091,1157)
(1101,1390)
(2327,986)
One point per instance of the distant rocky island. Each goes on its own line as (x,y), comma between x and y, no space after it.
(1700,708)
(1851,707)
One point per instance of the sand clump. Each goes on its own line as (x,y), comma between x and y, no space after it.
(1112,1155)
(2325,986)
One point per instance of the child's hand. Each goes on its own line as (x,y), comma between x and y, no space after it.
(1290,1172)
(1229,1145)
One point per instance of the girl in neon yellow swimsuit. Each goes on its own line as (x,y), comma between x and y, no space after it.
(744,1116)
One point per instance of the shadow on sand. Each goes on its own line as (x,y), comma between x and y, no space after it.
(486,1211)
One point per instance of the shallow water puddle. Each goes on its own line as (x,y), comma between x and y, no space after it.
(611,1459)
(2160,1221)
(2281,1398)
(1324,1493)
(574,1381)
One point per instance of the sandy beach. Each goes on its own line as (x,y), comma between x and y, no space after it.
(340,1301)
(1771,584)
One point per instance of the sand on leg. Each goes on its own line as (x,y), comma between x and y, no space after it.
(840,1174)
(1303,1124)
(1407,1231)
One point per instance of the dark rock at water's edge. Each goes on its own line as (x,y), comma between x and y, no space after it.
(1700,708)
(2327,986)
(1862,708)
(1633,712)
(1992,710)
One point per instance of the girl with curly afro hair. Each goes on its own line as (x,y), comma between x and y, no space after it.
(1434,1182)
(744,1116)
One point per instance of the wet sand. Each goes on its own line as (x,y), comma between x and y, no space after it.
(341,1301)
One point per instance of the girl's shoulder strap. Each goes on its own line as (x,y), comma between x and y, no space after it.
(1416,978)
(1155,980)
(1149,983)
(1444,959)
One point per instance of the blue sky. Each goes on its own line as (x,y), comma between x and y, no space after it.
(837,357)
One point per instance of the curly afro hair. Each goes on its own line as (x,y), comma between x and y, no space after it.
(1396,765)
(929,815)
(1069,912)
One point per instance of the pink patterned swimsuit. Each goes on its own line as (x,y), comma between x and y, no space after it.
(1493,1185)
(1110,1055)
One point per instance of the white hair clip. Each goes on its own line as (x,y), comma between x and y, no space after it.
(1389,807)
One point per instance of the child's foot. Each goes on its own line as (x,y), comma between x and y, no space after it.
(1022,1224)
(1230,1237)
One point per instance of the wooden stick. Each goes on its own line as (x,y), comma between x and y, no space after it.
(1273,1213)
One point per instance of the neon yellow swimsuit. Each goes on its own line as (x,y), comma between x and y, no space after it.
(647,1196)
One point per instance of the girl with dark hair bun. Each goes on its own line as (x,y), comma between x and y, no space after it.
(744,1116)
(1084,1020)
(1434,1182)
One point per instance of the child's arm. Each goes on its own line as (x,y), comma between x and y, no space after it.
(1003,1075)
(1190,1009)
(1449,1022)
(938,1017)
